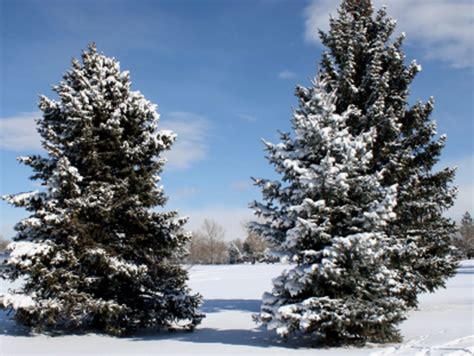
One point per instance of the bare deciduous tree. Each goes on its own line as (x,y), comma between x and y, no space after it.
(254,248)
(3,243)
(207,245)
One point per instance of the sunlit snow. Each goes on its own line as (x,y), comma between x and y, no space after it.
(441,326)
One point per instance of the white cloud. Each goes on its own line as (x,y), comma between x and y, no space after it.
(444,29)
(191,144)
(185,192)
(18,133)
(465,183)
(246,117)
(232,219)
(287,74)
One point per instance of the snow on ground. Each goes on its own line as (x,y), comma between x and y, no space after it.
(443,325)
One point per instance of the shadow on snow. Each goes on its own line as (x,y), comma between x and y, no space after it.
(257,337)
(9,327)
(217,305)
(469,269)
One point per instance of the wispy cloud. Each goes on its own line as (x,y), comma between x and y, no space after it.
(185,192)
(287,75)
(444,29)
(191,144)
(241,185)
(18,133)
(246,117)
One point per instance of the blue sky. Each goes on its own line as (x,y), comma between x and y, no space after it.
(223,74)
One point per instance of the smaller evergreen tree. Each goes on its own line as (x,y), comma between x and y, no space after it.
(328,215)
(93,254)
(235,253)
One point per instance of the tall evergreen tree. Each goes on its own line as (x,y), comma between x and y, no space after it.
(367,70)
(328,215)
(93,253)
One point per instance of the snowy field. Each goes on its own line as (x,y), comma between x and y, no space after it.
(443,325)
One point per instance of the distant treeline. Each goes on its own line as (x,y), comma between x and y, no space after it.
(208,246)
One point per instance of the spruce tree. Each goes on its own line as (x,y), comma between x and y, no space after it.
(235,255)
(94,254)
(367,70)
(328,214)
(465,241)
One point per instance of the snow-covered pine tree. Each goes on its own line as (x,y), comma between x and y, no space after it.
(367,70)
(235,255)
(328,214)
(93,254)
